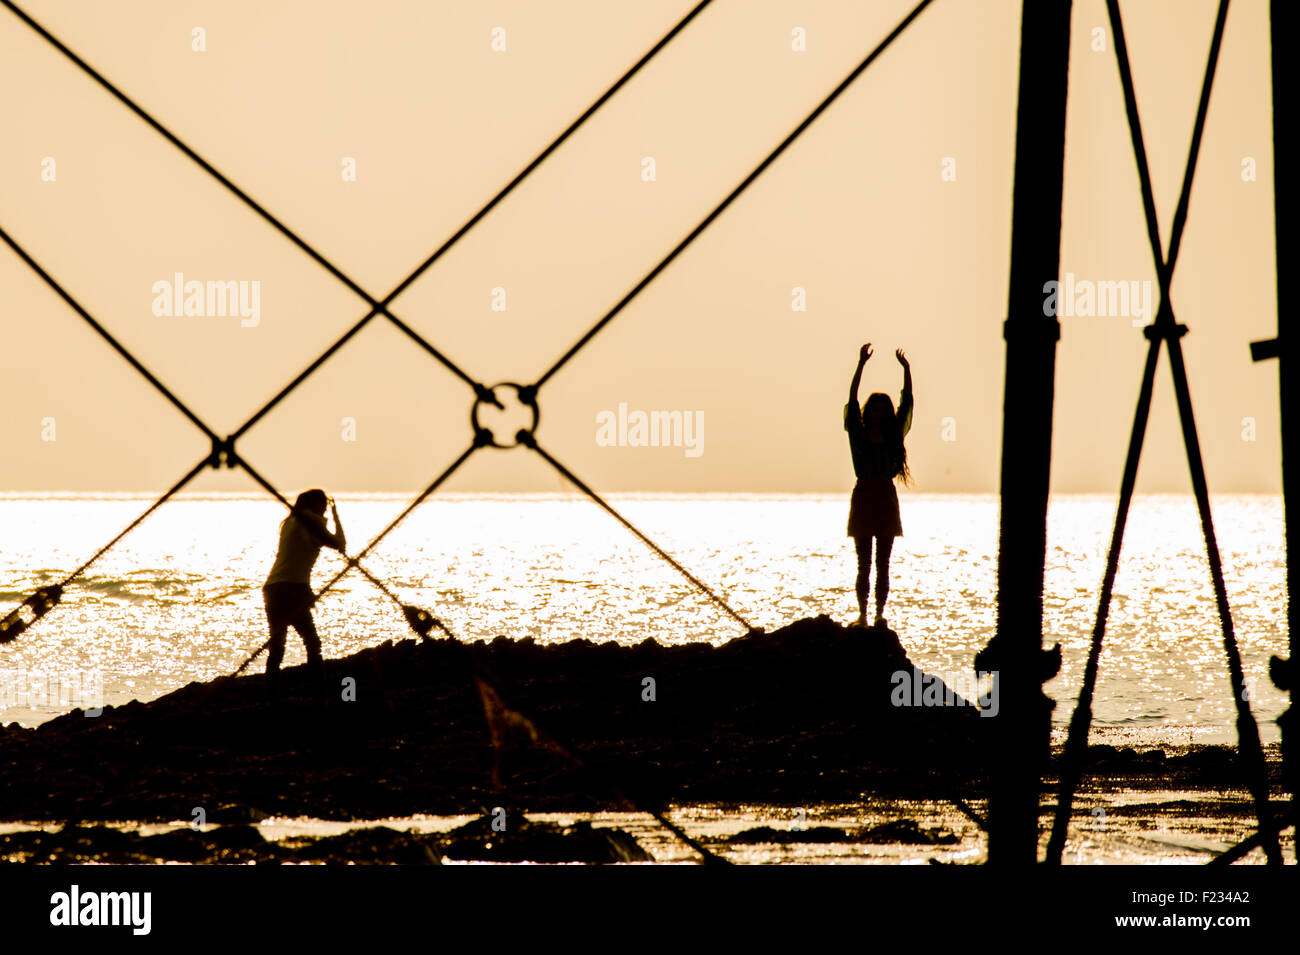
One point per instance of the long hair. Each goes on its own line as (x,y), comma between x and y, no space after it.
(313,501)
(893,432)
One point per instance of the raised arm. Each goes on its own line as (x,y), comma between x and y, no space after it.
(863,354)
(905,398)
(340,542)
(312,526)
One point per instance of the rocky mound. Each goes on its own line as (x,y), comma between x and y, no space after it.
(800,715)
(527,841)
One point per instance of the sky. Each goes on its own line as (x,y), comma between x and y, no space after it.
(374,131)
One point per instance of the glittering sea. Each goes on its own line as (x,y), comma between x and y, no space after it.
(179,599)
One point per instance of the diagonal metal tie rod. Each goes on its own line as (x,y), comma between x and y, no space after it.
(732,196)
(355,560)
(577,482)
(377,307)
(480,391)
(419,499)
(105,334)
(531,391)
(198,423)
(1081,720)
(222,449)
(1164,329)
(194,419)
(236,191)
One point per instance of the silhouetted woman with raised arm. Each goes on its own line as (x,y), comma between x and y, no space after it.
(288,587)
(876,443)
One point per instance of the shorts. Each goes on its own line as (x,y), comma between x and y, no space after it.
(287,603)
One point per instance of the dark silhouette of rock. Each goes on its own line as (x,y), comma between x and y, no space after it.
(104,844)
(799,715)
(371,845)
(907,832)
(1199,763)
(766,834)
(527,840)
(228,815)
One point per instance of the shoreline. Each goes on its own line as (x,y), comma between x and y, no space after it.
(1133,829)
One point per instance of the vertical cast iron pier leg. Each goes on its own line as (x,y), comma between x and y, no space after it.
(1024,720)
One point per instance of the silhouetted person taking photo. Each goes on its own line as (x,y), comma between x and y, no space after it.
(288,587)
(876,443)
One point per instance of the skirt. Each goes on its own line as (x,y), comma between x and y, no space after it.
(873,509)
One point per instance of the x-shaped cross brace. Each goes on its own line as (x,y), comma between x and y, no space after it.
(223,450)
(1165,329)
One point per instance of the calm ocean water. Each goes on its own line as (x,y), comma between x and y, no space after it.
(180,598)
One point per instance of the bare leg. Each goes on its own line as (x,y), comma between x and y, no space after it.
(864,576)
(883,546)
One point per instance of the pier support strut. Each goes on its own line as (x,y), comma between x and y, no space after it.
(1016,652)
(1283,16)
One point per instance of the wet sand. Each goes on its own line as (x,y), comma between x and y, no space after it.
(1117,826)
